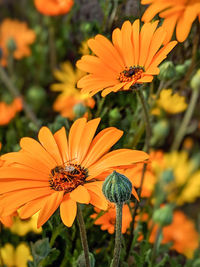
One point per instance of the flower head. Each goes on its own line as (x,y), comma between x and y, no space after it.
(8,111)
(132,58)
(70,95)
(60,171)
(53,7)
(181,232)
(108,219)
(19,33)
(169,102)
(176,13)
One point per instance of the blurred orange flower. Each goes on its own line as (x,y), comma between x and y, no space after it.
(21,36)
(60,171)
(8,111)
(180,14)
(181,232)
(132,58)
(53,7)
(107,220)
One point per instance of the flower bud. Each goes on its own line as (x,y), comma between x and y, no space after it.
(36,95)
(79,110)
(167,176)
(163,216)
(81,260)
(160,131)
(195,82)
(117,188)
(114,116)
(167,71)
(11,45)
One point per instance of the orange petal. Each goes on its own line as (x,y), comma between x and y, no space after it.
(97,198)
(127,47)
(119,157)
(117,41)
(46,138)
(50,205)
(75,135)
(86,139)
(169,24)
(146,79)
(135,40)
(11,201)
(68,209)
(32,207)
(153,9)
(146,34)
(80,194)
(34,148)
(101,144)
(114,88)
(62,143)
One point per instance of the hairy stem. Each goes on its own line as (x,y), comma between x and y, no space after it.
(83,235)
(118,235)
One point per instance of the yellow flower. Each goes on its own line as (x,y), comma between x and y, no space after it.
(15,257)
(22,227)
(70,95)
(170,103)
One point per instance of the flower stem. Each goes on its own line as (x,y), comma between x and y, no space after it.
(118,235)
(15,92)
(187,117)
(83,235)
(146,118)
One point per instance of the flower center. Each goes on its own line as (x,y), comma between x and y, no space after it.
(112,221)
(67,177)
(131,74)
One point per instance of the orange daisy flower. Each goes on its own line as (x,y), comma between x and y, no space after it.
(132,58)
(20,34)
(108,219)
(176,13)
(60,171)
(181,232)
(53,7)
(8,111)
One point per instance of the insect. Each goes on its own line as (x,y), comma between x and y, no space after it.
(130,72)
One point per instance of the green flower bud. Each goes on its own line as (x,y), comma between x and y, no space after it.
(163,216)
(117,188)
(167,71)
(81,260)
(160,131)
(167,176)
(79,110)
(114,116)
(195,82)
(11,45)
(36,95)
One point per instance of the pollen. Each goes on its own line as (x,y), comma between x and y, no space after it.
(67,177)
(131,74)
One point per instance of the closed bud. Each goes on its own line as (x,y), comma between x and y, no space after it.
(81,260)
(36,95)
(160,131)
(79,110)
(163,216)
(167,71)
(195,82)
(117,188)
(11,45)
(114,116)
(167,176)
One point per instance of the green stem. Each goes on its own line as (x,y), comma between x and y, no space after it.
(146,118)
(187,117)
(83,235)
(15,92)
(118,235)
(156,246)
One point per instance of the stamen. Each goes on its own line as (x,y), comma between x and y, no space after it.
(131,74)
(67,177)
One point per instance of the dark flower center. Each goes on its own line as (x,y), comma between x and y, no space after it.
(131,74)
(67,177)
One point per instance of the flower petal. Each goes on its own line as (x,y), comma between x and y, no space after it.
(62,143)
(68,209)
(80,194)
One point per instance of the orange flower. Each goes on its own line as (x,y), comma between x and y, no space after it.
(8,220)
(107,220)
(60,171)
(53,7)
(181,232)
(135,174)
(180,14)
(19,33)
(132,58)
(8,111)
